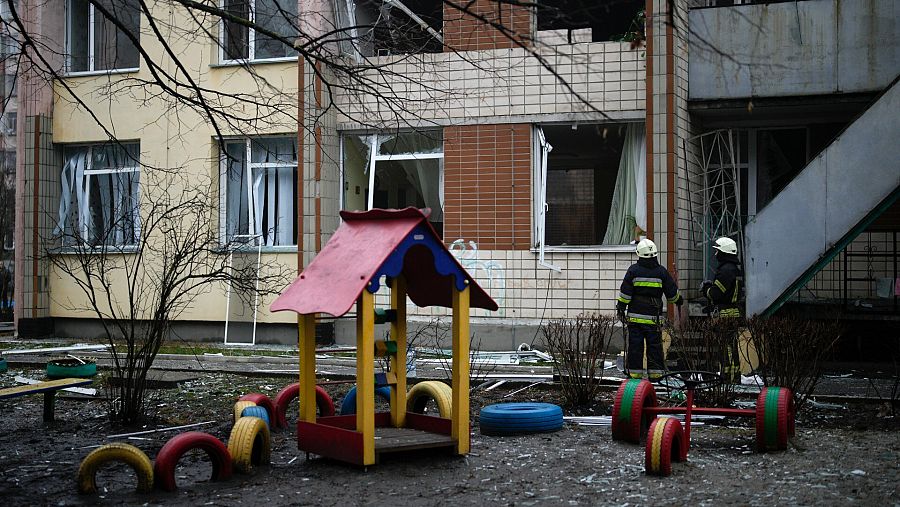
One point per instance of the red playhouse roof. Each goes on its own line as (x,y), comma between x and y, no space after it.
(369,244)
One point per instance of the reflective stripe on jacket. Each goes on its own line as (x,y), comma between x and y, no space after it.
(725,290)
(642,290)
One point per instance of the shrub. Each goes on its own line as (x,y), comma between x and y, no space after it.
(791,350)
(578,346)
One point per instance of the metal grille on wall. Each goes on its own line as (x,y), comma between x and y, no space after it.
(715,190)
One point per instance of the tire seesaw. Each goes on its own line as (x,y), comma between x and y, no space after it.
(635,413)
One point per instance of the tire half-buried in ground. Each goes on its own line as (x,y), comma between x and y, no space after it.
(177,446)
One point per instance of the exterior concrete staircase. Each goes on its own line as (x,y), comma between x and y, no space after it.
(834,198)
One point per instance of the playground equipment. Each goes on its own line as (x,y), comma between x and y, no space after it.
(402,246)
(635,406)
(520,418)
(168,456)
(126,453)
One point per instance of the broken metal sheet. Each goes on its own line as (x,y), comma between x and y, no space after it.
(82,347)
(88,391)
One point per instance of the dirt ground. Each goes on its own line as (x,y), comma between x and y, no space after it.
(840,456)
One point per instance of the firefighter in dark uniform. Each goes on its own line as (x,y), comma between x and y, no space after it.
(724,295)
(640,305)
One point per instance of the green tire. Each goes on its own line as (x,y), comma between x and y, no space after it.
(2,365)
(70,368)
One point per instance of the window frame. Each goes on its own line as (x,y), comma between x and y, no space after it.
(251,168)
(251,42)
(134,166)
(374,158)
(539,204)
(90,46)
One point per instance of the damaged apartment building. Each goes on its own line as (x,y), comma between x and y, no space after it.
(545,139)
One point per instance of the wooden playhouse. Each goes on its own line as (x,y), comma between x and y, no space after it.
(403,247)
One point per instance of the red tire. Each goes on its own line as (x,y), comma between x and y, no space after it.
(774,418)
(291,392)
(665,444)
(628,420)
(174,449)
(261,400)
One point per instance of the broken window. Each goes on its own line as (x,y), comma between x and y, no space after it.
(99,203)
(391,27)
(395,171)
(260,191)
(239,42)
(572,21)
(95,43)
(592,184)
(780,156)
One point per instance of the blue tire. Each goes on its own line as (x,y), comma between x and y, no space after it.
(348,405)
(2,365)
(257,412)
(520,418)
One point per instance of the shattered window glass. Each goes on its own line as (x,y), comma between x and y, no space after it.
(392,27)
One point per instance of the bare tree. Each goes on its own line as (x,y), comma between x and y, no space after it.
(171,257)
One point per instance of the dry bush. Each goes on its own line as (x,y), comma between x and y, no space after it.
(704,345)
(791,350)
(578,346)
(432,341)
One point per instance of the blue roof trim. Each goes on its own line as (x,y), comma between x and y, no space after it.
(444,262)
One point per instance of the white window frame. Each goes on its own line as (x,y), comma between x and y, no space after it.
(82,190)
(251,42)
(539,200)
(374,158)
(92,12)
(252,168)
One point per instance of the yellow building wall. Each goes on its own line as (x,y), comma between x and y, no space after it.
(173,136)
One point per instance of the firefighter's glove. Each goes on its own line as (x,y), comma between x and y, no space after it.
(705,286)
(620,311)
(679,302)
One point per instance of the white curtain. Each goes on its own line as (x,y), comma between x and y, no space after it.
(73,189)
(285,221)
(628,213)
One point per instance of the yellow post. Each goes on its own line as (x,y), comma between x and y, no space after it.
(398,362)
(365,374)
(307,353)
(459,428)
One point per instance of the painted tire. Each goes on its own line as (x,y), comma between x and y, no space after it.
(628,421)
(128,454)
(263,401)
(239,408)
(421,393)
(520,418)
(70,368)
(665,444)
(249,444)
(774,418)
(348,404)
(2,365)
(257,412)
(284,398)
(174,449)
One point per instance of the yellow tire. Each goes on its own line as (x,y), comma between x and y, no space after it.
(249,444)
(441,393)
(128,454)
(239,408)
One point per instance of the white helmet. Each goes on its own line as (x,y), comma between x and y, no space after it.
(647,249)
(726,245)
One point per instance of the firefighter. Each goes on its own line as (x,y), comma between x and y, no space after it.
(640,306)
(724,295)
